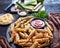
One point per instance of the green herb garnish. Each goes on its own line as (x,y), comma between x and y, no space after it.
(40,14)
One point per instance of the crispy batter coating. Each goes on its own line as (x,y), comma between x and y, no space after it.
(22,33)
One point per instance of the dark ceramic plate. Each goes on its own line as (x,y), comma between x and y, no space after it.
(14,45)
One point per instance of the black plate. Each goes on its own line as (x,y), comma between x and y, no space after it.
(16,46)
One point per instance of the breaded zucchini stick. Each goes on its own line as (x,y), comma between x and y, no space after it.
(35,45)
(49,26)
(40,35)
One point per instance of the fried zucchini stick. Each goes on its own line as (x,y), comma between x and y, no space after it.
(40,35)
(17,37)
(20,30)
(41,30)
(47,36)
(49,32)
(18,24)
(27,44)
(28,21)
(12,33)
(26,35)
(41,40)
(19,20)
(30,35)
(49,26)
(22,35)
(36,33)
(35,45)
(22,40)
(12,37)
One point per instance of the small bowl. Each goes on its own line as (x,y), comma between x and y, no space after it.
(38,19)
(22,13)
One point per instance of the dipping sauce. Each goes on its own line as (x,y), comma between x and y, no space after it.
(38,23)
(23,13)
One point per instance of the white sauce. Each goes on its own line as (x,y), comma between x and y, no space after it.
(23,13)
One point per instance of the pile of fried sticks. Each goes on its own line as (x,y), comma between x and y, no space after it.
(23,34)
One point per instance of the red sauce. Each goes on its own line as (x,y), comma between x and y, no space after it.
(37,23)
